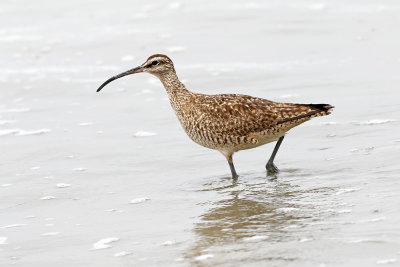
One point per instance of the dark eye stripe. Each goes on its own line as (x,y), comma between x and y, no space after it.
(155,62)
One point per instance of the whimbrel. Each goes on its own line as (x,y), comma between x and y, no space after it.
(227,122)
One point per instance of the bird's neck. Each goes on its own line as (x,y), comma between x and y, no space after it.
(176,90)
(172,84)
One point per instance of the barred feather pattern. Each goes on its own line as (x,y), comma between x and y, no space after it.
(230,122)
(233,122)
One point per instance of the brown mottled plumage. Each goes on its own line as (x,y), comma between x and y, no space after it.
(227,122)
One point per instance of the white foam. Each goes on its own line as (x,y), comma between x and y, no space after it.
(104,243)
(374,122)
(13,225)
(386,261)
(50,233)
(143,134)
(62,185)
(6,185)
(122,253)
(355,241)
(169,243)
(139,200)
(255,238)
(47,197)
(379,219)
(114,210)
(79,169)
(347,190)
(3,240)
(8,132)
(204,257)
(85,123)
(23,132)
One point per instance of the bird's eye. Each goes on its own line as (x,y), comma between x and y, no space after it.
(155,62)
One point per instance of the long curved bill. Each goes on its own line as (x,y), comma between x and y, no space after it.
(132,71)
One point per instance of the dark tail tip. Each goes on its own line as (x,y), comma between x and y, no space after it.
(321,107)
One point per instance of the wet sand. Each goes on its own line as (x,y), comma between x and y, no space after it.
(111,179)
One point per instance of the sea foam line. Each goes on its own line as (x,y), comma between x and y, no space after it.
(374,122)
(104,243)
(20,132)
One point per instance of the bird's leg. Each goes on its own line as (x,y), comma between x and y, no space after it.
(271,168)
(233,171)
(232,167)
(228,155)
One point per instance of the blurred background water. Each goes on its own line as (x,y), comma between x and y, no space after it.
(110,178)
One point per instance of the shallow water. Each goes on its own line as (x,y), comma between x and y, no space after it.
(110,179)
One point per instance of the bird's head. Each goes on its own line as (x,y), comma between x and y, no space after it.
(157,65)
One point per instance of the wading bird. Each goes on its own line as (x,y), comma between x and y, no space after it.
(227,122)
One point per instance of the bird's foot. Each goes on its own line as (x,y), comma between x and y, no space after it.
(271,168)
(235,177)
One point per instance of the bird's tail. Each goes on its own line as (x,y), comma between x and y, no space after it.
(325,109)
(308,111)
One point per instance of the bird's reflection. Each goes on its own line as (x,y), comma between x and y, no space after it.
(268,208)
